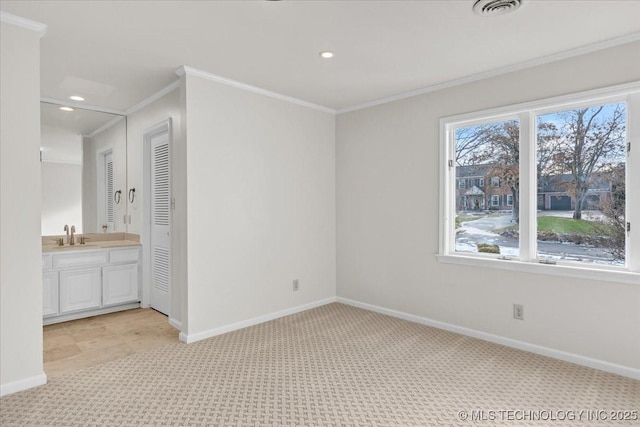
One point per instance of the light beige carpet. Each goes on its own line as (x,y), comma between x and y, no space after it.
(331,366)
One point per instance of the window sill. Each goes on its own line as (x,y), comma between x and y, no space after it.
(599,274)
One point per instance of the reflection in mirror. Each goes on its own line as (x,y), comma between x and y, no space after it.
(83,155)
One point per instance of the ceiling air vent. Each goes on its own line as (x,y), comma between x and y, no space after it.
(496,7)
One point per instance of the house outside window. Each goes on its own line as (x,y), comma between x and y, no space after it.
(561,177)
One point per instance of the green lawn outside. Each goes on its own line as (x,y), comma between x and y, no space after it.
(562,225)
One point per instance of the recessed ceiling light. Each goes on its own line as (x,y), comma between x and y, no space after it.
(66,108)
(326,54)
(76,98)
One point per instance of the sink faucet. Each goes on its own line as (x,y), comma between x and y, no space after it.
(72,240)
(66,228)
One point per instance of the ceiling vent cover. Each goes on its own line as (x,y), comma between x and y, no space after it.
(496,7)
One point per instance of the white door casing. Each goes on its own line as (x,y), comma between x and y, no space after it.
(157,217)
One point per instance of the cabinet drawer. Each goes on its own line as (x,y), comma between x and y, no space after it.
(79,260)
(46,262)
(124,255)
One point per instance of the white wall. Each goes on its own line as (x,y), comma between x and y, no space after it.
(61,177)
(387,221)
(115,139)
(162,109)
(89,188)
(20,242)
(61,197)
(261,204)
(60,145)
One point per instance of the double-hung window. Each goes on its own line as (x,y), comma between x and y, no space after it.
(564,186)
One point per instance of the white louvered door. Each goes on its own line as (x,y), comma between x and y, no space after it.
(109,214)
(160,211)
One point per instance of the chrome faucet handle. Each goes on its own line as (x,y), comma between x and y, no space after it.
(66,229)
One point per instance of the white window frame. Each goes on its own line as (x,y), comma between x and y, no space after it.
(527,113)
(462,183)
(509,200)
(495,200)
(481,182)
(495,181)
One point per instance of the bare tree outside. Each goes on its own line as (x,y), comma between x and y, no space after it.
(487,186)
(497,146)
(581,168)
(613,226)
(581,163)
(584,142)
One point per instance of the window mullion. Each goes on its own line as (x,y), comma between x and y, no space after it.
(633,183)
(527,187)
(448,186)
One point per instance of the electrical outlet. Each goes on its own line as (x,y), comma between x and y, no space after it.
(518,311)
(296,285)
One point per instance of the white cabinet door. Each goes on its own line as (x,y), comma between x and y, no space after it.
(120,284)
(49,293)
(80,289)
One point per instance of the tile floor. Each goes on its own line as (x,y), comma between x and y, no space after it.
(94,340)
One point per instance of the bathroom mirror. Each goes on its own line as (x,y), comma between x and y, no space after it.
(84,170)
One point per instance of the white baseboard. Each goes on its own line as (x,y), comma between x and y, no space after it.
(509,342)
(175,323)
(23,384)
(190,338)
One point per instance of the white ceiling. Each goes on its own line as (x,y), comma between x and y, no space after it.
(116,54)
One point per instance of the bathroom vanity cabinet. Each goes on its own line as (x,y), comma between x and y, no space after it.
(86,282)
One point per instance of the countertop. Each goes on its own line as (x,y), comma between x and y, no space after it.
(95,245)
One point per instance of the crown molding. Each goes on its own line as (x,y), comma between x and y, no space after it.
(498,71)
(104,126)
(82,106)
(121,114)
(19,21)
(234,83)
(183,70)
(159,94)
